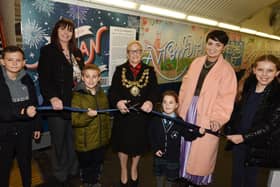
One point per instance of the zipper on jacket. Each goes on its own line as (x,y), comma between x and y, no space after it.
(85,139)
(61,88)
(99,117)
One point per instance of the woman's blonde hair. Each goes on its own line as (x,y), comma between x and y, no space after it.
(132,43)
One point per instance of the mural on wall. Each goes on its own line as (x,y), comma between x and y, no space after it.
(171,50)
(92,30)
(274,18)
(256,46)
(234,49)
(168,46)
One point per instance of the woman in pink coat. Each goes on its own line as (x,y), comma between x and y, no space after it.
(206,98)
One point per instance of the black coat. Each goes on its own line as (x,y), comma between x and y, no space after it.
(170,142)
(10,112)
(263,138)
(56,77)
(130,132)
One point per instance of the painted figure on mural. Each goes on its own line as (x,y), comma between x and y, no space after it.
(134,83)
(206,98)
(274,18)
(59,69)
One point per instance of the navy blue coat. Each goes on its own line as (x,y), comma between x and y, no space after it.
(169,142)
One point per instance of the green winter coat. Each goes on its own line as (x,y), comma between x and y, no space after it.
(90,132)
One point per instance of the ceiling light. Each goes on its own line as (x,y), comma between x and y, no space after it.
(274,37)
(228,26)
(179,15)
(162,12)
(202,20)
(262,34)
(248,31)
(118,3)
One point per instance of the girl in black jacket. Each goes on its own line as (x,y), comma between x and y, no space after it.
(255,122)
(165,136)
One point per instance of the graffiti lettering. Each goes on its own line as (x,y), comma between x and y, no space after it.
(234,52)
(171,51)
(95,47)
(172,56)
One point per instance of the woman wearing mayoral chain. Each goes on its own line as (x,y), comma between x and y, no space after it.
(133,83)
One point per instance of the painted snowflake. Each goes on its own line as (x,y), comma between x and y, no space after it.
(32,33)
(77,12)
(132,22)
(45,6)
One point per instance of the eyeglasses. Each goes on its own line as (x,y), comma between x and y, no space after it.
(138,51)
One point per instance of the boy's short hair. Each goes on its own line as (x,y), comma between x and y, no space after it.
(170,93)
(91,67)
(12,49)
(219,36)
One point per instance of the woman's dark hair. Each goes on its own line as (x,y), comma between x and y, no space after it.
(12,49)
(64,23)
(249,71)
(218,35)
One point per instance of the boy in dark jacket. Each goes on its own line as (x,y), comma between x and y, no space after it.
(18,118)
(165,138)
(92,130)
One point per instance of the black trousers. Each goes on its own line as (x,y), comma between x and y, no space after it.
(91,165)
(242,176)
(15,142)
(64,159)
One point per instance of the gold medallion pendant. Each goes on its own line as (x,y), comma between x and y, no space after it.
(135,86)
(134,91)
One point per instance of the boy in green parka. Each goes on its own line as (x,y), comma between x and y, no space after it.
(92,130)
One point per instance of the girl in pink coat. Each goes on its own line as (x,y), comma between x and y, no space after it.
(206,98)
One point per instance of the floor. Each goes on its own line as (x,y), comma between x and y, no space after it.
(15,180)
(42,171)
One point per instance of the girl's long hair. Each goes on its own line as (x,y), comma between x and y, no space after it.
(249,72)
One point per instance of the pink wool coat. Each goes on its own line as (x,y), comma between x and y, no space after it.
(215,102)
